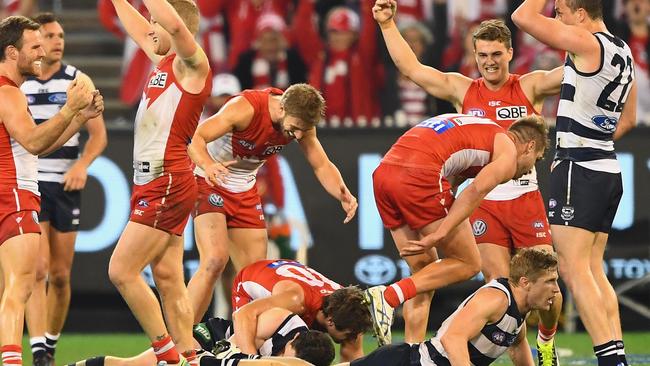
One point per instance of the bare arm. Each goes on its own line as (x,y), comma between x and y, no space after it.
(627,121)
(487,306)
(137,27)
(327,173)
(520,350)
(529,18)
(183,41)
(21,127)
(237,113)
(286,295)
(540,84)
(448,86)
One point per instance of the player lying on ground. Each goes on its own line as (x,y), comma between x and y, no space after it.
(279,333)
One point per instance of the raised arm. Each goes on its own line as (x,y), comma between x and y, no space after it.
(448,86)
(182,37)
(529,18)
(487,306)
(286,295)
(327,173)
(37,139)
(137,27)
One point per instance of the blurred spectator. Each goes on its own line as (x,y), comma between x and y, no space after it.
(224,86)
(635,30)
(402,99)
(270,187)
(346,68)
(135,65)
(212,33)
(270,61)
(17,7)
(242,17)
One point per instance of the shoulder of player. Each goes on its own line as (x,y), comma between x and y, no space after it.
(13,95)
(288,288)
(238,111)
(460,84)
(493,302)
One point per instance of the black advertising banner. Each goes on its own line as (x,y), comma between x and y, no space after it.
(361,252)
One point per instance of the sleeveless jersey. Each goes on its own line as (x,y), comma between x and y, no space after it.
(591,104)
(493,340)
(18,167)
(45,99)
(454,144)
(259,278)
(165,123)
(504,106)
(250,147)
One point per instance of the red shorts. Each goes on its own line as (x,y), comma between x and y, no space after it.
(242,210)
(517,223)
(24,219)
(165,203)
(410,196)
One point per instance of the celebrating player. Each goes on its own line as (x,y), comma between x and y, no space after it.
(164,187)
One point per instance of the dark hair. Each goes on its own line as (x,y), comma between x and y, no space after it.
(493,30)
(45,18)
(11,32)
(349,310)
(531,263)
(315,347)
(531,128)
(594,8)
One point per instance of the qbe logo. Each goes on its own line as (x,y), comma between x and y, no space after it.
(511,112)
(159,80)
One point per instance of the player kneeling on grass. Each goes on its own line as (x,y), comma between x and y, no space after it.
(278,333)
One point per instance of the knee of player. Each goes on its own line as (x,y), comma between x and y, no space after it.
(118,275)
(59,279)
(214,265)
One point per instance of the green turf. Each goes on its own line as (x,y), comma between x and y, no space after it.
(74,347)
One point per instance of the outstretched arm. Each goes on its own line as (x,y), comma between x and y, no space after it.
(529,18)
(183,40)
(327,173)
(448,86)
(137,27)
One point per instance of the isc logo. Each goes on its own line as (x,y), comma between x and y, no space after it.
(512,112)
(158,81)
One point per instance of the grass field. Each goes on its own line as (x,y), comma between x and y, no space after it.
(575,349)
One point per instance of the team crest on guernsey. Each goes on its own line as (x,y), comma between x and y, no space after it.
(476,112)
(498,337)
(479,227)
(215,200)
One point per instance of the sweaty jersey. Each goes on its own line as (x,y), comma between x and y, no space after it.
(453,144)
(591,104)
(250,147)
(165,123)
(493,340)
(504,106)
(45,99)
(18,169)
(257,281)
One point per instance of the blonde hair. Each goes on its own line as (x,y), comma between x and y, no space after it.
(531,128)
(532,264)
(303,101)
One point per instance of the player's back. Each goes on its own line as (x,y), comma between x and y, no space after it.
(258,279)
(250,147)
(18,169)
(453,144)
(591,104)
(165,123)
